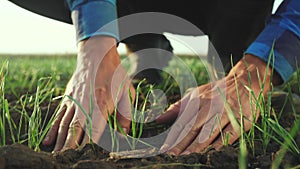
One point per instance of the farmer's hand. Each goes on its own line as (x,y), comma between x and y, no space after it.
(203,119)
(98,75)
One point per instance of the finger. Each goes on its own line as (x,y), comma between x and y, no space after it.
(183,139)
(63,128)
(208,133)
(124,111)
(97,128)
(228,137)
(75,133)
(182,126)
(52,133)
(174,110)
(231,134)
(197,146)
(206,119)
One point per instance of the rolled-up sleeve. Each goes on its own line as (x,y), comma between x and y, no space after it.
(94,17)
(282,36)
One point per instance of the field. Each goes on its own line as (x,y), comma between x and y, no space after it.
(30,85)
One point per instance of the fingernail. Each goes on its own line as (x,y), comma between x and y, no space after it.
(164,148)
(66,148)
(54,151)
(125,130)
(171,153)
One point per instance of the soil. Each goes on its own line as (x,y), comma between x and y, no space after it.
(13,156)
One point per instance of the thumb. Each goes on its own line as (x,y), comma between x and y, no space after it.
(174,110)
(124,109)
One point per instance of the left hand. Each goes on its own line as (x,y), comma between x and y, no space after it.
(99,64)
(203,119)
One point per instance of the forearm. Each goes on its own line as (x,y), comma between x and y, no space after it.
(282,35)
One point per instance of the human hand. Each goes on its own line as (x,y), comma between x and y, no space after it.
(204,117)
(98,75)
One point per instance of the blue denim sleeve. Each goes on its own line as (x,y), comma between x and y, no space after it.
(282,33)
(94,17)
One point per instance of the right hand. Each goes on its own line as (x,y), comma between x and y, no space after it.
(202,116)
(98,63)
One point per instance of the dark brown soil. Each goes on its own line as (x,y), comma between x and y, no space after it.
(15,156)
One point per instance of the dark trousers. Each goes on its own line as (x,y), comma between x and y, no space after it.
(232,25)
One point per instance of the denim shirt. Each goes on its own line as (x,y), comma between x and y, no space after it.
(279,42)
(89,17)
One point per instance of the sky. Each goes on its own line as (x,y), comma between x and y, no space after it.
(24,32)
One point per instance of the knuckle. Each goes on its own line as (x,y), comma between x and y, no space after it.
(195,128)
(66,103)
(232,134)
(75,125)
(95,129)
(178,127)
(217,144)
(64,125)
(178,148)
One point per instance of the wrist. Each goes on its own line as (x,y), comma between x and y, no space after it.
(96,50)
(258,70)
(262,67)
